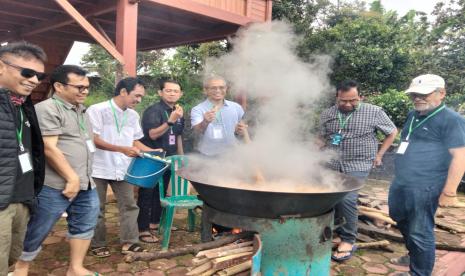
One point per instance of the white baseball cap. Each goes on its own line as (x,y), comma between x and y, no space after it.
(426,84)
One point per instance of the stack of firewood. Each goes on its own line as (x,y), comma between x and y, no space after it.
(226,260)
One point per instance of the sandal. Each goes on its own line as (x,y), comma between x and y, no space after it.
(154,230)
(133,248)
(148,238)
(346,257)
(100,252)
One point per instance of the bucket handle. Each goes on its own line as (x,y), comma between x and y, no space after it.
(145,176)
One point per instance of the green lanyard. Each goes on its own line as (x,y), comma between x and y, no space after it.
(167,117)
(123,121)
(81,122)
(19,132)
(218,117)
(343,122)
(411,128)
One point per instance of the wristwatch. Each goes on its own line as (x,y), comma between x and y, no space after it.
(169,123)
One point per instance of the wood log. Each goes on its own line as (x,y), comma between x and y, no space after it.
(231,260)
(200,269)
(375,203)
(375,244)
(208,272)
(150,256)
(374,210)
(224,248)
(449,227)
(229,252)
(199,261)
(236,269)
(379,233)
(364,238)
(377,216)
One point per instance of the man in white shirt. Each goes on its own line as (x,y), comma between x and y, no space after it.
(116,133)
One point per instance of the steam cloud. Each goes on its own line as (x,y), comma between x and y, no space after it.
(263,65)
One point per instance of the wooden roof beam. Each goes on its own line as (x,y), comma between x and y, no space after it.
(204,10)
(63,20)
(90,30)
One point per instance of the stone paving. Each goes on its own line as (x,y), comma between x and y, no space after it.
(53,260)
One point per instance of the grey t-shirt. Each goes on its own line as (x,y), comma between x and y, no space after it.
(60,118)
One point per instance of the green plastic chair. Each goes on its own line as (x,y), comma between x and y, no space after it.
(178,199)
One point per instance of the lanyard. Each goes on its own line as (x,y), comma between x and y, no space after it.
(167,117)
(123,121)
(19,132)
(82,124)
(411,128)
(218,117)
(343,122)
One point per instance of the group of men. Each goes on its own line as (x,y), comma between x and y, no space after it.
(429,164)
(58,156)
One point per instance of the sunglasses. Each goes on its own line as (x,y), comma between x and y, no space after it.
(26,72)
(80,88)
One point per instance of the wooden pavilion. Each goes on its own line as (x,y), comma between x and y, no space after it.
(123,27)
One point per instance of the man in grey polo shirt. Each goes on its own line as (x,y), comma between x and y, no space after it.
(216,120)
(69,187)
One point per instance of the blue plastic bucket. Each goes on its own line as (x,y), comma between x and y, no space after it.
(145,171)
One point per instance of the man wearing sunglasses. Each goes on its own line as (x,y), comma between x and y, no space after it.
(429,165)
(68,185)
(21,176)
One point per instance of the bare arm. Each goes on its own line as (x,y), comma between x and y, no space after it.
(138,144)
(180,145)
(101,144)
(454,175)
(58,162)
(387,142)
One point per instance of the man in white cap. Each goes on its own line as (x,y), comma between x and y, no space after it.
(429,165)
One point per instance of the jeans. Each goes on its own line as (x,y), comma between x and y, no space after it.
(82,217)
(127,209)
(413,208)
(347,209)
(149,204)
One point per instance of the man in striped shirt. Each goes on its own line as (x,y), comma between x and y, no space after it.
(349,128)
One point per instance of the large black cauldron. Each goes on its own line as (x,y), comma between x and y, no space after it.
(263,204)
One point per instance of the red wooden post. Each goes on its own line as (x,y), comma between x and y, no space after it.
(126,34)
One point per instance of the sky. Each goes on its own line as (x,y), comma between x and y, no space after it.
(401,6)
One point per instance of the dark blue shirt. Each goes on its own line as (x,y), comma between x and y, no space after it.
(426,161)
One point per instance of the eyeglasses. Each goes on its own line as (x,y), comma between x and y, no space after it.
(80,88)
(26,72)
(214,88)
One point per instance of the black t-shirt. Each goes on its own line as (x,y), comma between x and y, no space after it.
(24,185)
(155,116)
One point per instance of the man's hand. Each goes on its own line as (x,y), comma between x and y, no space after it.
(448,201)
(241,128)
(72,188)
(378,161)
(209,116)
(176,114)
(130,151)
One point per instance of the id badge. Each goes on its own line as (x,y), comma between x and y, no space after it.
(217,132)
(336,139)
(90,145)
(25,162)
(402,148)
(172,139)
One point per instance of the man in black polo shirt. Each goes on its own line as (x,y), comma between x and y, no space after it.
(22,159)
(163,124)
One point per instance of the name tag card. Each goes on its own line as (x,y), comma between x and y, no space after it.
(172,139)
(402,148)
(90,145)
(217,132)
(25,162)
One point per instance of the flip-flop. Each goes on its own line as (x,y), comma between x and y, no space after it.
(148,238)
(133,248)
(346,257)
(100,252)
